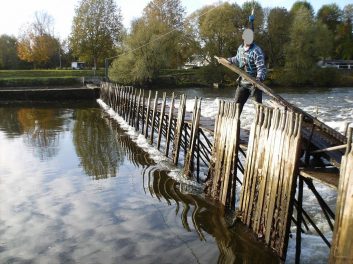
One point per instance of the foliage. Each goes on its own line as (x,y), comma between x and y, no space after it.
(156,41)
(96,30)
(308,42)
(8,52)
(298,5)
(330,15)
(278,22)
(348,13)
(220,30)
(344,39)
(37,44)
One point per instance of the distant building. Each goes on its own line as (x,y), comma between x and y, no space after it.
(77,65)
(338,64)
(195,61)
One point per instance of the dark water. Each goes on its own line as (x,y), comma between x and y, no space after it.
(75,189)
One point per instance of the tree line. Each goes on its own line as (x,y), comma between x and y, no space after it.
(293,40)
(165,38)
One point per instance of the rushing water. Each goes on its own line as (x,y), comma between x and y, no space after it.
(76,187)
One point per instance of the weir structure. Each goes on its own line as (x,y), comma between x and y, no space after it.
(275,159)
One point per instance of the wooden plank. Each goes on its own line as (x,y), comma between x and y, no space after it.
(153,120)
(138,111)
(269,176)
(170,124)
(188,163)
(143,111)
(161,120)
(342,242)
(325,176)
(224,156)
(178,129)
(147,116)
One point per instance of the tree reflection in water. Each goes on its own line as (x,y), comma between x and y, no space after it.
(42,128)
(96,144)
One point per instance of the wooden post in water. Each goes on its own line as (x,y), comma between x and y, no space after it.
(153,120)
(161,121)
(179,129)
(147,116)
(342,242)
(143,111)
(195,122)
(170,124)
(137,124)
(221,181)
(266,201)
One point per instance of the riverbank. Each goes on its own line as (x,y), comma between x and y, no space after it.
(43,78)
(201,77)
(49,93)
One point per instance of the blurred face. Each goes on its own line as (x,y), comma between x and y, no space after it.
(248,37)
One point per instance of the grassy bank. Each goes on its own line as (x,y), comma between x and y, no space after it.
(27,78)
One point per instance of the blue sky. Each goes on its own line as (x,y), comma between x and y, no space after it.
(16,13)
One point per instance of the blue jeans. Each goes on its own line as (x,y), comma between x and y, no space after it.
(243,92)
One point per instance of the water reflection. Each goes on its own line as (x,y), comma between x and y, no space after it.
(96,144)
(195,213)
(41,130)
(41,127)
(204,218)
(139,216)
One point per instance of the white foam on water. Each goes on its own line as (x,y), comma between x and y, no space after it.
(313,250)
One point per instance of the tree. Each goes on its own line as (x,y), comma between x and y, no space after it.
(331,15)
(247,8)
(220,30)
(348,13)
(96,30)
(278,22)
(170,12)
(344,36)
(297,6)
(156,41)
(344,40)
(37,43)
(8,52)
(309,41)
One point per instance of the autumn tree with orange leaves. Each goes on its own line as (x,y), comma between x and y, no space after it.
(37,44)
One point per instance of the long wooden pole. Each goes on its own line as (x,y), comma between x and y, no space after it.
(278,99)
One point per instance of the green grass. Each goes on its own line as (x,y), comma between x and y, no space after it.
(47,73)
(39,81)
(27,78)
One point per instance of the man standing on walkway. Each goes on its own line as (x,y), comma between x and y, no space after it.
(250,58)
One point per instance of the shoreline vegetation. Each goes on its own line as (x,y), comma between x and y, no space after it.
(276,78)
(199,77)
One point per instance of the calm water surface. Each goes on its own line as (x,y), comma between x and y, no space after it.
(75,189)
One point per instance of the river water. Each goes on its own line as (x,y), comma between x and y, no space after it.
(76,187)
